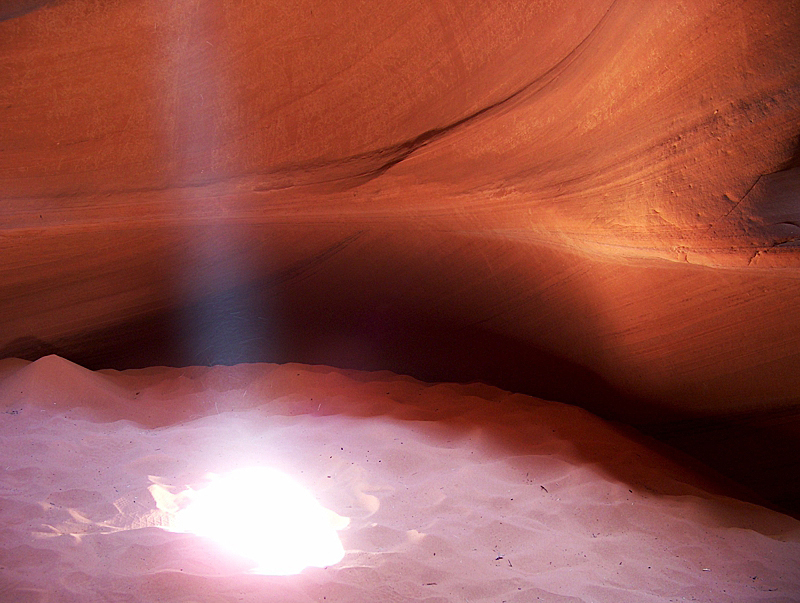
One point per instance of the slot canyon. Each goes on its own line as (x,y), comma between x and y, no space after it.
(594,203)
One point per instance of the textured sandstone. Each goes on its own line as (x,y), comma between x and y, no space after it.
(430,187)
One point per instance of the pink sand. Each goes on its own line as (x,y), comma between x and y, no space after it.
(454,493)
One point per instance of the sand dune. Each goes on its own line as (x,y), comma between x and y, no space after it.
(453,492)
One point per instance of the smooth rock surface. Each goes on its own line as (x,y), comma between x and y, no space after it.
(594,202)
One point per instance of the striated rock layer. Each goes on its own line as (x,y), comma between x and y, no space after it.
(595,202)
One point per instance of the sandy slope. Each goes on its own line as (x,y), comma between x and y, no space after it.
(454,493)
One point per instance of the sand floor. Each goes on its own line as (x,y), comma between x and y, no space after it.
(453,493)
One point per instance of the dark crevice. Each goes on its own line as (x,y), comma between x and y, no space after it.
(794,161)
(11,9)
(405,149)
(386,157)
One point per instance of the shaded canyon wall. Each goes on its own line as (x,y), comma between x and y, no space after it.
(595,202)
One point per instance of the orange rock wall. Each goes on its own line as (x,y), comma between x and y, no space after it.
(448,188)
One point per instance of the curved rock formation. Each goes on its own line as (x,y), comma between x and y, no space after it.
(595,202)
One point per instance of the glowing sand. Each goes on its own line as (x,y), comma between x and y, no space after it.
(264,515)
(453,493)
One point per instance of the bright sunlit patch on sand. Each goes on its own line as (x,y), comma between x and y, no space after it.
(261,514)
